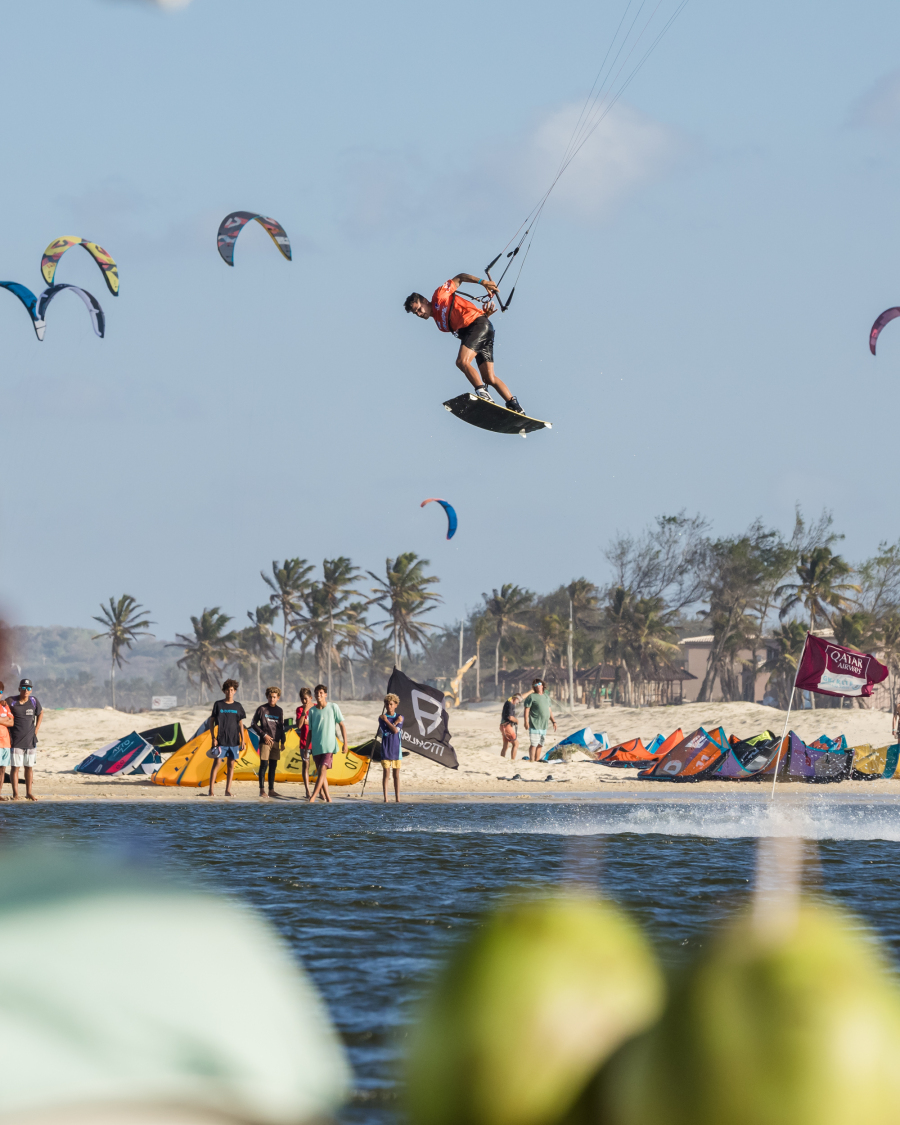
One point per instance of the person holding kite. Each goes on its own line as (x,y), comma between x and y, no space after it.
(472,325)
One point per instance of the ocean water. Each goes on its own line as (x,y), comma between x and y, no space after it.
(371,897)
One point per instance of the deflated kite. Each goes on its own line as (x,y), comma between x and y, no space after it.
(886,317)
(232,225)
(30,302)
(448,508)
(59,246)
(93,305)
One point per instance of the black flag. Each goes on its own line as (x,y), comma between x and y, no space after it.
(425,722)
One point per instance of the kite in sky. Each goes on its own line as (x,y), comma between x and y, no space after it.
(232,225)
(449,509)
(59,246)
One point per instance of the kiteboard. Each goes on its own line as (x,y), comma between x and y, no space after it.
(489,416)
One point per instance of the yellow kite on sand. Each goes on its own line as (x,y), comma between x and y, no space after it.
(191,765)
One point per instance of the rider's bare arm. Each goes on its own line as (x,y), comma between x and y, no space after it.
(470,279)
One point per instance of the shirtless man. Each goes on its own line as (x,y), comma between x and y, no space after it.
(471,324)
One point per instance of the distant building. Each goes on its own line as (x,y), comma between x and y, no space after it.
(697,650)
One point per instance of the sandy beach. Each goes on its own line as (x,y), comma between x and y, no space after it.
(67,736)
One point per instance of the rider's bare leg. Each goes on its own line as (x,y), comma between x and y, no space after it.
(464,363)
(487,373)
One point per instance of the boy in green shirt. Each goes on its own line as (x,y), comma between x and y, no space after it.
(324,720)
(537,715)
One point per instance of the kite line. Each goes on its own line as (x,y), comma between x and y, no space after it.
(608,87)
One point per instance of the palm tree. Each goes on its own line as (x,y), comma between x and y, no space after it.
(207,649)
(789,640)
(859,631)
(582,597)
(376,659)
(258,639)
(123,628)
(352,630)
(550,631)
(481,627)
(403,595)
(337,576)
(505,606)
(890,649)
(820,586)
(289,582)
(617,632)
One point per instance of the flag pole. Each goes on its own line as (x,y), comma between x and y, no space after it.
(788,715)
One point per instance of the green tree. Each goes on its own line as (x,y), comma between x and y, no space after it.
(505,606)
(376,661)
(784,653)
(859,630)
(582,601)
(338,575)
(258,639)
(820,587)
(125,623)
(890,650)
(551,632)
(207,650)
(652,642)
(289,582)
(404,596)
(352,633)
(617,629)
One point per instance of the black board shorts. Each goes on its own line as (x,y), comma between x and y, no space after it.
(479,336)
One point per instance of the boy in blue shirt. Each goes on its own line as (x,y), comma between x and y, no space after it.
(390,724)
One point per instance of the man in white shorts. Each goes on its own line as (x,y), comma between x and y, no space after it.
(27,714)
(537,716)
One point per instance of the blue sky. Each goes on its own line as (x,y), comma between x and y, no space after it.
(693,317)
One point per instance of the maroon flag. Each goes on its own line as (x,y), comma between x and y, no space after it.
(828,669)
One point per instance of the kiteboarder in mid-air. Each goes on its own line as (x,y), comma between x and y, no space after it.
(472,325)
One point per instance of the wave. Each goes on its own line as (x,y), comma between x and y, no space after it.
(729,819)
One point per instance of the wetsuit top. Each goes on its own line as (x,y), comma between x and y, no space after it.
(509,713)
(227,718)
(269,719)
(450,312)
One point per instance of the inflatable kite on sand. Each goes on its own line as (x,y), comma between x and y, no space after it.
(59,246)
(232,225)
(452,522)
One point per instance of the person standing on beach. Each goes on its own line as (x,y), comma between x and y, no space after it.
(268,723)
(6,722)
(303,734)
(509,727)
(226,725)
(390,725)
(27,714)
(324,720)
(537,716)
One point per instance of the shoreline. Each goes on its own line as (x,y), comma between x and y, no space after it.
(68,736)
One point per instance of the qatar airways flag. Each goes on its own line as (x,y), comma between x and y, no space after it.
(828,669)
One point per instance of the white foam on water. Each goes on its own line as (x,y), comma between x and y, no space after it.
(720,820)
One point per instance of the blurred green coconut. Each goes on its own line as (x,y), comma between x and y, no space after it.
(526,1011)
(786,1019)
